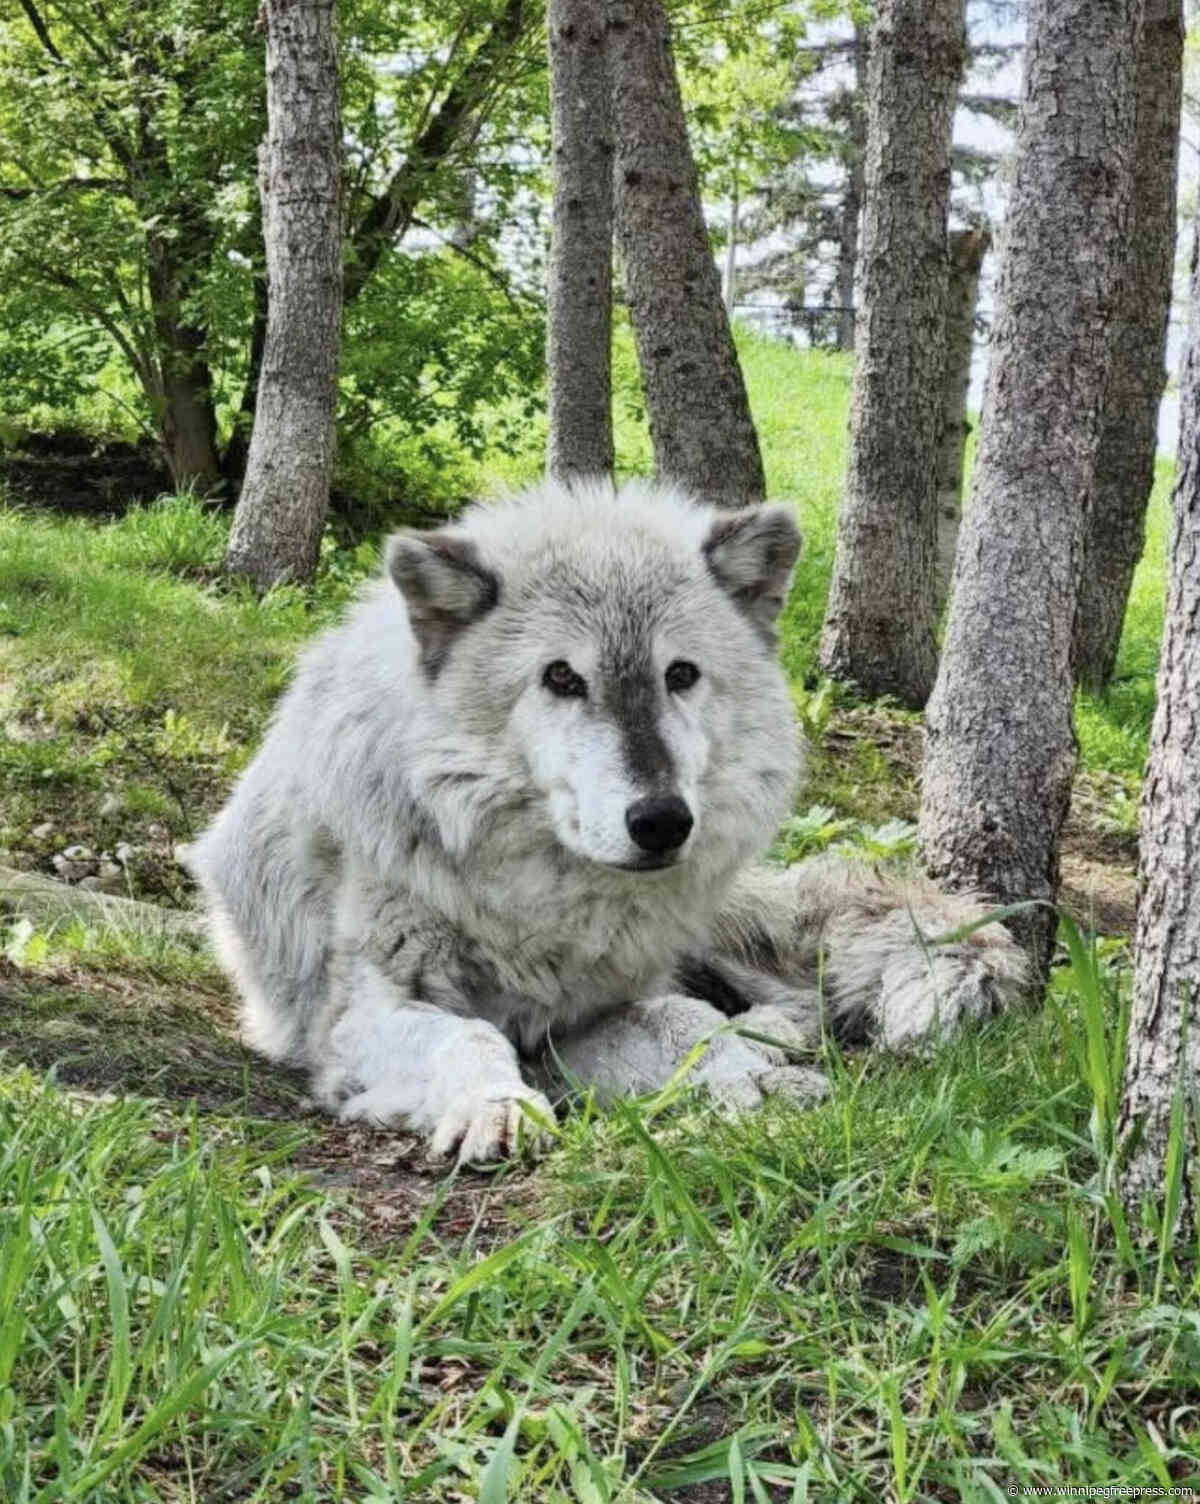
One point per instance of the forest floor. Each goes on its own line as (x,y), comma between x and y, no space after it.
(922,1289)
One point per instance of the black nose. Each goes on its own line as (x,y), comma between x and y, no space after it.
(659,823)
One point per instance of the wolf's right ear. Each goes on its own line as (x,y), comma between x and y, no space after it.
(445,587)
(750,553)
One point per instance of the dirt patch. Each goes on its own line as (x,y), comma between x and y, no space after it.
(1100,896)
(80,475)
(1101,826)
(391,1183)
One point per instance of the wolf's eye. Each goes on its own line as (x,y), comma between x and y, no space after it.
(681,675)
(562,680)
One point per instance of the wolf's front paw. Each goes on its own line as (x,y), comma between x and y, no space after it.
(489,1126)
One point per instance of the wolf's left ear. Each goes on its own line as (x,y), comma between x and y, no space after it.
(751,553)
(445,586)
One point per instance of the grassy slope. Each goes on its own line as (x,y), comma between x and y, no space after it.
(919,1290)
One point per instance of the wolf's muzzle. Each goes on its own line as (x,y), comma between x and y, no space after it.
(660,823)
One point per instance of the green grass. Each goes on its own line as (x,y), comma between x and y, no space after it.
(915,1291)
(923,1289)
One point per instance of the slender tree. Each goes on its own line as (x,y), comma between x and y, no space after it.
(390,214)
(700,419)
(967,250)
(850,109)
(881,616)
(276,532)
(1000,747)
(579,314)
(1129,441)
(1164,1031)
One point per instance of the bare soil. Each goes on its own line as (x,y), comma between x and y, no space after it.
(80,475)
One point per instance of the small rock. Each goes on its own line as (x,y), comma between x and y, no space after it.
(110,805)
(44,831)
(156,830)
(124,852)
(79,854)
(99,883)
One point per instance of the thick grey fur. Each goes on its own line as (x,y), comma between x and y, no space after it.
(425,879)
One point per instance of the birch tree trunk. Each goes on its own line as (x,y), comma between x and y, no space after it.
(967,250)
(1166,991)
(579,323)
(280,513)
(1000,747)
(700,420)
(1129,442)
(881,617)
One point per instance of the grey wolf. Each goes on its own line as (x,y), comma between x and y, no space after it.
(503,821)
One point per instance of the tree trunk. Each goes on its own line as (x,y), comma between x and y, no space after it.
(967,250)
(700,420)
(1166,987)
(237,451)
(1000,747)
(182,379)
(881,616)
(854,153)
(1129,441)
(188,422)
(280,514)
(579,313)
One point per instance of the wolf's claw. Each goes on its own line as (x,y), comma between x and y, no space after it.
(487,1128)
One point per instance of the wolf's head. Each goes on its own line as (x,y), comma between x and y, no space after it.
(619,650)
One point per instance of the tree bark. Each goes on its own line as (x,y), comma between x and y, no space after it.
(1000,747)
(881,617)
(854,111)
(1164,1030)
(579,313)
(967,250)
(277,527)
(188,421)
(237,451)
(700,420)
(1129,441)
(181,379)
